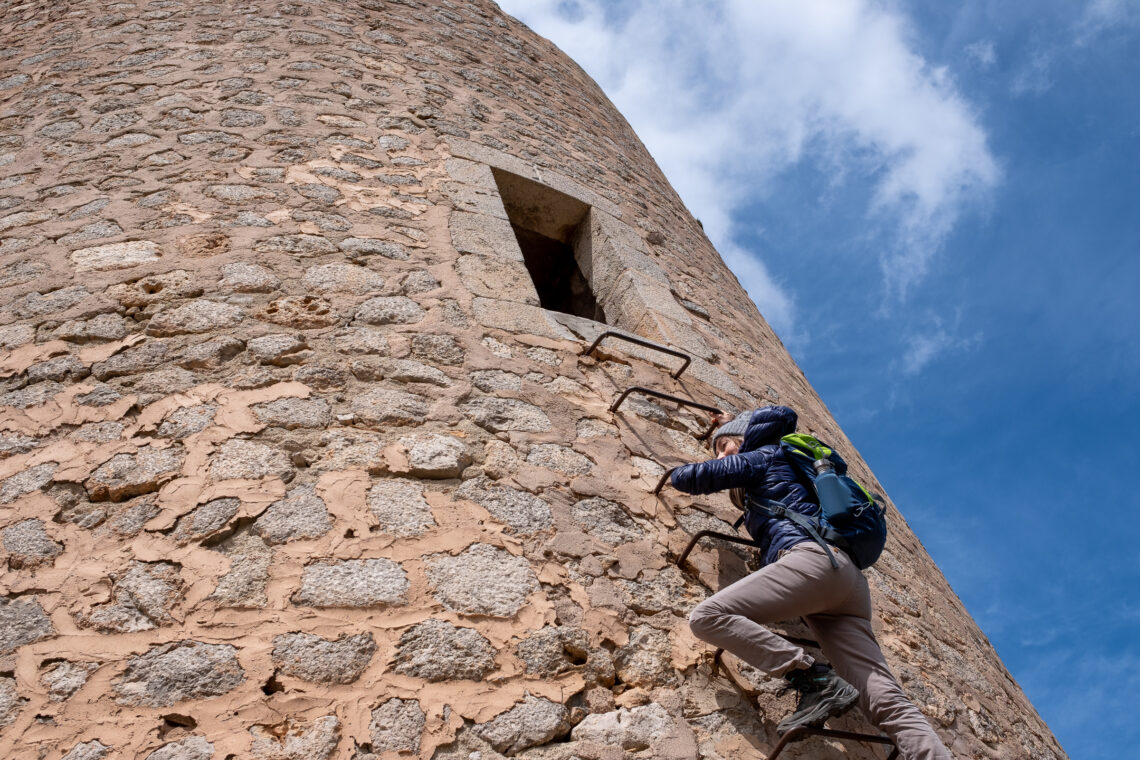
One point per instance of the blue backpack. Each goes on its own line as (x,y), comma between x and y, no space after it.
(849,516)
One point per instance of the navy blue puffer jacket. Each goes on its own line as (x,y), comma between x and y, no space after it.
(762,470)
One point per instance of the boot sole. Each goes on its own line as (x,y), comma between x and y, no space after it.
(849,696)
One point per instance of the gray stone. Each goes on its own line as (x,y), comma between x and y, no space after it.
(249,460)
(419,281)
(241,117)
(239,195)
(206,519)
(14,336)
(293,741)
(279,349)
(397,726)
(45,304)
(33,395)
(103,258)
(663,590)
(127,475)
(486,235)
(529,723)
(157,288)
(88,232)
(195,317)
(359,248)
(190,748)
(103,327)
(436,650)
(92,750)
(342,278)
(553,650)
(170,673)
(633,730)
(61,368)
(318,192)
(141,599)
(400,508)
(187,421)
(408,371)
(65,678)
(498,278)
(28,544)
(522,512)
(559,458)
(483,580)
(321,378)
(243,277)
(361,340)
(22,621)
(438,349)
(505,414)
(380,406)
(647,659)
(388,310)
(436,456)
(493,380)
(102,395)
(298,245)
(130,521)
(98,432)
(10,701)
(293,413)
(211,354)
(26,482)
(352,583)
(605,521)
(132,361)
(301,514)
(245,583)
(12,443)
(312,658)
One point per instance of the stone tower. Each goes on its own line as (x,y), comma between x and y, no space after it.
(300,455)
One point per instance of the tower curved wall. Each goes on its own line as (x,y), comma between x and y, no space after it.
(293,460)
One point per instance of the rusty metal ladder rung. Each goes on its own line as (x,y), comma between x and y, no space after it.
(667,397)
(645,344)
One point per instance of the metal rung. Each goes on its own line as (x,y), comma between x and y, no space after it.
(803,732)
(664,479)
(712,534)
(668,397)
(645,344)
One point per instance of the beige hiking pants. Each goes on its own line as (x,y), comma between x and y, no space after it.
(836,605)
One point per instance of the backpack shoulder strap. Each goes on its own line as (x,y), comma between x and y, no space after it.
(776,509)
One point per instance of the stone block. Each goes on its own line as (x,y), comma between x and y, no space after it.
(483,580)
(22,621)
(296,741)
(302,246)
(28,544)
(401,370)
(438,349)
(503,414)
(195,317)
(605,521)
(389,310)
(239,458)
(352,583)
(302,312)
(187,420)
(92,750)
(436,650)
(243,277)
(518,318)
(27,481)
(65,678)
(559,458)
(205,520)
(633,730)
(127,475)
(245,583)
(103,327)
(436,456)
(553,650)
(522,512)
(170,673)
(380,406)
(210,354)
(11,703)
(359,249)
(498,278)
(312,658)
(103,258)
(397,726)
(400,508)
(342,278)
(530,723)
(484,235)
(279,349)
(361,340)
(294,413)
(141,599)
(646,660)
(189,748)
(301,514)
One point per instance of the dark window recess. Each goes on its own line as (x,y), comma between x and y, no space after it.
(553,231)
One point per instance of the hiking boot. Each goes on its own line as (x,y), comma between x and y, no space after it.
(823,695)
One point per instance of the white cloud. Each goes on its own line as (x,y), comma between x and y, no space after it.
(983,52)
(1103,15)
(924,348)
(729,94)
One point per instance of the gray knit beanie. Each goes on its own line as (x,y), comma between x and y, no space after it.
(736,426)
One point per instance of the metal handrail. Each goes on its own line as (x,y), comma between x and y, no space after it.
(645,344)
(669,397)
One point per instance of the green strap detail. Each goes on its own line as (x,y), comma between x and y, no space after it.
(805,442)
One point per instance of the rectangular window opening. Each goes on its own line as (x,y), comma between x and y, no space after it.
(552,230)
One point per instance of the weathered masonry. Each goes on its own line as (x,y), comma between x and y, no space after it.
(300,452)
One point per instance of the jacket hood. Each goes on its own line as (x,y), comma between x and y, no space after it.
(768,425)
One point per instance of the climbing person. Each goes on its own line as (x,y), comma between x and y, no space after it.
(797,580)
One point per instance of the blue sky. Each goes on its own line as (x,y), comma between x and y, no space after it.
(936,206)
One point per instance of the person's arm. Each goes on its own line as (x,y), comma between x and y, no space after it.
(734,471)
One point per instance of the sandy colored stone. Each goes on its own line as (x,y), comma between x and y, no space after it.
(187,420)
(301,312)
(245,277)
(102,258)
(436,456)
(634,729)
(294,413)
(342,278)
(389,310)
(503,414)
(380,406)
(195,317)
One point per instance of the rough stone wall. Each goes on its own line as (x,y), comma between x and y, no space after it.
(292,465)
